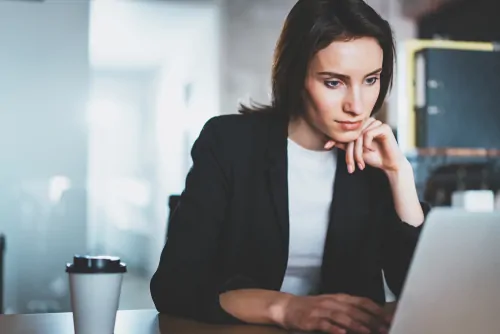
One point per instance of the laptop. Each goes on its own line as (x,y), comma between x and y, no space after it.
(453,285)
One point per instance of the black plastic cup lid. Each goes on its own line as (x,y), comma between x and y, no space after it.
(96,265)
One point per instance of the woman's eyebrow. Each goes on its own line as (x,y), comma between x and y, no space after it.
(331,74)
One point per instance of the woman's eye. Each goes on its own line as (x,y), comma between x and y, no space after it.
(333,84)
(371,81)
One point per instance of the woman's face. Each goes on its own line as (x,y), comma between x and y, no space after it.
(342,86)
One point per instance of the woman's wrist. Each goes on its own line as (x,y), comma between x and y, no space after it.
(404,192)
(277,308)
(256,306)
(404,170)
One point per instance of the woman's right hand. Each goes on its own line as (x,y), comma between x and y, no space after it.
(334,314)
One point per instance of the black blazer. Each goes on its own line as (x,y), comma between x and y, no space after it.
(230,230)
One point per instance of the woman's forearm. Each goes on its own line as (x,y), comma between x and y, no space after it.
(256,306)
(405,195)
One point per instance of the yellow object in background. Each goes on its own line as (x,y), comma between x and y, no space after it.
(406,82)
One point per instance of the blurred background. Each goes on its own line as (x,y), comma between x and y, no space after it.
(100,102)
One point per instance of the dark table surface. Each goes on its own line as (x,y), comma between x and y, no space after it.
(127,322)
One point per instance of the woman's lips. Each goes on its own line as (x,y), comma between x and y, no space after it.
(350,126)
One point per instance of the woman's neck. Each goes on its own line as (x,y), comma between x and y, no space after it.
(304,134)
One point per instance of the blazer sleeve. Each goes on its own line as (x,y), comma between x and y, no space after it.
(399,240)
(186,282)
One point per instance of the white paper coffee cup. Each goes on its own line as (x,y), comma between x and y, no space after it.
(95,285)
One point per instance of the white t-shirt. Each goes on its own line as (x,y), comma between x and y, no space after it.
(311,177)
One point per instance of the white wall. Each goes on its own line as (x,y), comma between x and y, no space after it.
(142,56)
(250,31)
(119,164)
(43,90)
(181,115)
(178,43)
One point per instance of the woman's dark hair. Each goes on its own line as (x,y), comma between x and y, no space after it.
(311,26)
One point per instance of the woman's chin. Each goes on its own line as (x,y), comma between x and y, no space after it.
(345,137)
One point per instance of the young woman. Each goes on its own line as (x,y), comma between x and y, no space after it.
(292,211)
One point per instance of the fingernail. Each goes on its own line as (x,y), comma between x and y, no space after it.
(351,168)
(360,165)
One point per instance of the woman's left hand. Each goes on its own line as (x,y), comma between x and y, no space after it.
(376,146)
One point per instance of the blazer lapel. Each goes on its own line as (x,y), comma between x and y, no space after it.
(278,174)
